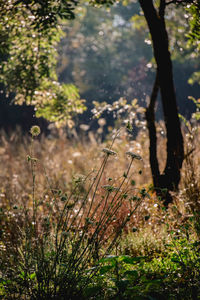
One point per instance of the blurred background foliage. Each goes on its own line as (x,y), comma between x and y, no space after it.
(30,33)
(101,55)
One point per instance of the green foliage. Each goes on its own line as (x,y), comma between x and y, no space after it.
(194,36)
(174,273)
(103,53)
(196,114)
(44,15)
(62,106)
(102,2)
(195,78)
(30,34)
(194,21)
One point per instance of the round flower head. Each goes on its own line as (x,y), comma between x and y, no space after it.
(35,130)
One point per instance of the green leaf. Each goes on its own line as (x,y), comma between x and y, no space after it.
(111,259)
(92,291)
(105,269)
(132,260)
(129,127)
(132,273)
(32,276)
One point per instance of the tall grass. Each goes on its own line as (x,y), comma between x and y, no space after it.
(65,232)
(67,205)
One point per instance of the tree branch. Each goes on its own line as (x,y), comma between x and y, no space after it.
(179,2)
(162,9)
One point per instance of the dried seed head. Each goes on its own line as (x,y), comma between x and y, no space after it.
(35,130)
(110,188)
(109,152)
(133,155)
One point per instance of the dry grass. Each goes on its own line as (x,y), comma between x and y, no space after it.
(34,191)
(61,160)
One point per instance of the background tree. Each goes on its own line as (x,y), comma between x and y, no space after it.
(164,80)
(102,53)
(103,63)
(30,33)
(170,178)
(107,54)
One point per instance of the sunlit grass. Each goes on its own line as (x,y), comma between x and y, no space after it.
(51,185)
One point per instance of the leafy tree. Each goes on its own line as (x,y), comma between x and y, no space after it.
(194,36)
(30,32)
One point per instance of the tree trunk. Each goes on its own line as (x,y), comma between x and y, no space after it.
(175,150)
(150,117)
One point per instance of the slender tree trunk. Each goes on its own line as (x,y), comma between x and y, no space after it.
(150,117)
(175,150)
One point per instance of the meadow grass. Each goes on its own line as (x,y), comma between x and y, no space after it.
(80,220)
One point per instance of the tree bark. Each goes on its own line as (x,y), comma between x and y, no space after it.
(175,150)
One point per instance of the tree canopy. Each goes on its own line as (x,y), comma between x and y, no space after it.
(107,53)
(30,32)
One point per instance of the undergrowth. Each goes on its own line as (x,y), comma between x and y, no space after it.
(81,220)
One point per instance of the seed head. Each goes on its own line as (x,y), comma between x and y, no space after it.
(133,155)
(108,151)
(35,130)
(110,188)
